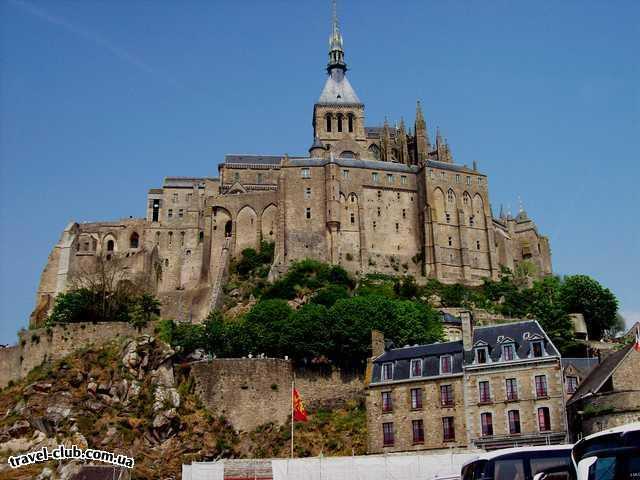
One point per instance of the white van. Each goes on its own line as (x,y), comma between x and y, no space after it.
(609,455)
(521,463)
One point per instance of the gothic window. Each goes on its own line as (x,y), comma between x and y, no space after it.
(450,196)
(350,119)
(340,122)
(134,240)
(374,150)
(328,120)
(465,199)
(110,246)
(348,154)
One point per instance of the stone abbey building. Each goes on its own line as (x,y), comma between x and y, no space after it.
(370,198)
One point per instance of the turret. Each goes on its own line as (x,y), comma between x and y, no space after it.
(423,145)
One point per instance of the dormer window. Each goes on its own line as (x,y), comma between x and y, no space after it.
(387,372)
(416,367)
(508,352)
(482,354)
(445,364)
(536,349)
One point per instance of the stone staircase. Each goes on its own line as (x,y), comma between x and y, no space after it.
(221,275)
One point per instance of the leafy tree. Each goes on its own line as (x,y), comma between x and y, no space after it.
(582,294)
(145,307)
(307,336)
(329,295)
(265,324)
(74,306)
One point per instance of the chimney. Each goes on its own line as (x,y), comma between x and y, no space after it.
(467,330)
(377,343)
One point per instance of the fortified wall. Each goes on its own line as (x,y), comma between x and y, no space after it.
(46,344)
(250,392)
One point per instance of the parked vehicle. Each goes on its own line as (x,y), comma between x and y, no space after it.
(521,463)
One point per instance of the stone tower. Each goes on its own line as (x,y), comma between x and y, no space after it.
(338,115)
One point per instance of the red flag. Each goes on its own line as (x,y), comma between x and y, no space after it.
(299,412)
(637,344)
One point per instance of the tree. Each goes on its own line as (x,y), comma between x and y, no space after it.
(583,294)
(144,309)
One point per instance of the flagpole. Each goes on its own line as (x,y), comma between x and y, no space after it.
(293,382)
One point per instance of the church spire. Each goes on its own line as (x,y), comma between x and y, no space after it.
(336,51)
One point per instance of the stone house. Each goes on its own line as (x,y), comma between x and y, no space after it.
(609,396)
(499,386)
(575,371)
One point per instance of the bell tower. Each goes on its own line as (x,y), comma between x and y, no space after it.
(338,115)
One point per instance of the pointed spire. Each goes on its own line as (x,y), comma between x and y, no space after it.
(501,216)
(336,51)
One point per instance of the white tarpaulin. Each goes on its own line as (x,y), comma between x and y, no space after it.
(203,471)
(372,467)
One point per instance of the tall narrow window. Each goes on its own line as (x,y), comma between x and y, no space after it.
(345,174)
(397,227)
(448,429)
(350,118)
(403,180)
(379,211)
(110,246)
(507,351)
(477,244)
(328,120)
(182,239)
(374,177)
(387,402)
(445,364)
(416,398)
(307,193)
(572,384)
(481,355)
(485,392)
(387,434)
(236,178)
(305,172)
(536,349)
(457,178)
(353,218)
(170,238)
(450,241)
(175,198)
(541,386)
(404,213)
(156,211)
(308,213)
(450,196)
(544,420)
(134,240)
(389,178)
(511,385)
(514,422)
(259,178)
(181,212)
(486,420)
(468,180)
(170,213)
(339,122)
(418,431)
(416,367)
(446,395)
(387,371)
(447,217)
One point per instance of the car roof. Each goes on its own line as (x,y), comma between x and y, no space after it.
(629,427)
(508,451)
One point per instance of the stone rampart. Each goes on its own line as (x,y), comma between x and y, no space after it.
(44,344)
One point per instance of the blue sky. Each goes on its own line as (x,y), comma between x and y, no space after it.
(99,100)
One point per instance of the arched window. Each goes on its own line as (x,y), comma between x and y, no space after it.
(374,150)
(227,228)
(170,238)
(134,240)
(339,122)
(465,199)
(110,245)
(450,196)
(328,120)
(348,154)
(350,118)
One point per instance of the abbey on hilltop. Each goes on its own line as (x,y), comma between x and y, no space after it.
(370,198)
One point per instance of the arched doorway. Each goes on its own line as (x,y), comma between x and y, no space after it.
(228,227)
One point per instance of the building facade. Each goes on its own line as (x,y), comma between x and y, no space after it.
(370,198)
(499,386)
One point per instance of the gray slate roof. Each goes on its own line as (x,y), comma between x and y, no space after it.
(583,365)
(338,91)
(430,355)
(355,163)
(515,331)
(401,357)
(254,159)
(600,374)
